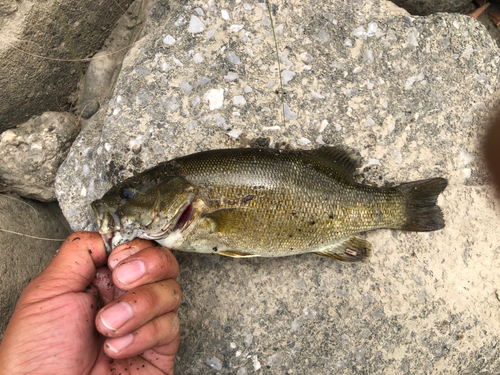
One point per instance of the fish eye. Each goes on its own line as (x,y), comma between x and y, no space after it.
(127,193)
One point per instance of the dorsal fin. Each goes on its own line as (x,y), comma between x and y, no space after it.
(337,158)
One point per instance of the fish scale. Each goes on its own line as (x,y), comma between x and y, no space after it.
(265,202)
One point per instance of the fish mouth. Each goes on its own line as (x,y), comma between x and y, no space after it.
(186,217)
(110,229)
(106,221)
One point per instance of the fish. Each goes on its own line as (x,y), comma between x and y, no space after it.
(263,202)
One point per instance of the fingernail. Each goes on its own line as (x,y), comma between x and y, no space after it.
(114,259)
(119,343)
(114,317)
(131,271)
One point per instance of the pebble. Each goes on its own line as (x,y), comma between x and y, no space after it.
(239,101)
(225,14)
(215,363)
(202,81)
(195,25)
(288,113)
(248,339)
(256,363)
(369,122)
(231,76)
(323,36)
(214,98)
(287,76)
(359,33)
(235,133)
(197,58)
(186,86)
(231,56)
(372,29)
(303,141)
(236,28)
(169,40)
(323,126)
(297,323)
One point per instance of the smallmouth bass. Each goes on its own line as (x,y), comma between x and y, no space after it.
(263,202)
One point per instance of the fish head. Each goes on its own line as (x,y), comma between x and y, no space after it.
(149,209)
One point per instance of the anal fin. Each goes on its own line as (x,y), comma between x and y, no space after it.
(353,249)
(236,254)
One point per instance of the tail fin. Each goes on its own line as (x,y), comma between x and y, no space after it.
(422,213)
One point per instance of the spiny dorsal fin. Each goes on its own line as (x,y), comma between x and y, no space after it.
(337,158)
(353,249)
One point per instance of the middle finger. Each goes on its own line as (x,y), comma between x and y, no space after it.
(137,307)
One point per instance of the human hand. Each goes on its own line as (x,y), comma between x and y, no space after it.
(53,328)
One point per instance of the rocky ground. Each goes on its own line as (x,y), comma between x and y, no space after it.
(411,95)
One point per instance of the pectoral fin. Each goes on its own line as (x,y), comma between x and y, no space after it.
(353,249)
(236,254)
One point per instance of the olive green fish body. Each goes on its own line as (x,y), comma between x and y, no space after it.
(266,202)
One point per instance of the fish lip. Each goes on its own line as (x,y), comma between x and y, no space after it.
(107,238)
(100,210)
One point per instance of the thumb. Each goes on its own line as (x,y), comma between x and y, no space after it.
(71,270)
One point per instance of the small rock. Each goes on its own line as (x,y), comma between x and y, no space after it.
(239,101)
(235,133)
(195,25)
(288,113)
(248,339)
(231,76)
(225,14)
(297,323)
(197,58)
(287,76)
(186,86)
(231,56)
(236,28)
(169,40)
(214,98)
(215,363)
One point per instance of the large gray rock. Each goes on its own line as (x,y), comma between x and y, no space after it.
(409,94)
(38,41)
(22,257)
(32,153)
(105,65)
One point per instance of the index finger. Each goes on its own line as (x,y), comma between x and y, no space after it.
(72,268)
(147,266)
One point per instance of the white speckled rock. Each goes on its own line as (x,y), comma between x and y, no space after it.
(31,154)
(424,303)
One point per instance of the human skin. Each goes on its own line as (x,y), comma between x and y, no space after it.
(80,316)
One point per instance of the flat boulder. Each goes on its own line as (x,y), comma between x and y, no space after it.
(410,95)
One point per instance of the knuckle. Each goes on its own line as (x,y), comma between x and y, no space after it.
(176,291)
(149,296)
(175,323)
(170,260)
